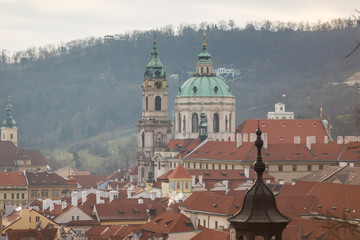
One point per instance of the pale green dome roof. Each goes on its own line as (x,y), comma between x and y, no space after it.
(204,86)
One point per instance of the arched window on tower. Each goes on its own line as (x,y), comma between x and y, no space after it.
(157,103)
(207,70)
(195,123)
(142,173)
(146,103)
(202,70)
(216,123)
(179,122)
(184,124)
(230,122)
(226,124)
(143,139)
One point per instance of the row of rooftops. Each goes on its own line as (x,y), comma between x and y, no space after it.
(26,178)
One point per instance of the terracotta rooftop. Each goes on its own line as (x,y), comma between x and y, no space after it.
(179,172)
(12,179)
(19,234)
(335,174)
(7,153)
(133,171)
(284,130)
(169,222)
(89,181)
(211,234)
(45,178)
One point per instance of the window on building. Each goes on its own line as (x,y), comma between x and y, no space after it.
(198,222)
(195,123)
(321,166)
(72,218)
(204,222)
(143,139)
(188,165)
(3,135)
(55,193)
(216,123)
(18,196)
(226,124)
(5,196)
(12,196)
(178,186)
(226,166)
(219,166)
(213,166)
(159,165)
(233,167)
(11,136)
(280,168)
(157,103)
(207,166)
(230,122)
(294,167)
(44,193)
(77,218)
(202,70)
(23,196)
(37,218)
(200,165)
(179,122)
(29,219)
(216,224)
(186,185)
(184,124)
(194,165)
(170,164)
(309,167)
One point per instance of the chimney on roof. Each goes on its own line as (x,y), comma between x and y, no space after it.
(63,205)
(193,181)
(265,139)
(152,195)
(310,140)
(245,137)
(247,173)
(113,195)
(252,137)
(201,179)
(74,199)
(83,197)
(297,139)
(128,192)
(98,200)
(340,140)
(238,140)
(51,205)
(326,139)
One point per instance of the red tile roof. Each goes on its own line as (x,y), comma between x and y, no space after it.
(212,203)
(12,179)
(89,181)
(7,153)
(179,172)
(44,178)
(169,222)
(36,157)
(212,234)
(133,171)
(284,130)
(18,234)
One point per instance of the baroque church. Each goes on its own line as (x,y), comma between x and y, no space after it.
(204,109)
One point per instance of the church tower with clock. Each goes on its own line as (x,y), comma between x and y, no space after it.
(154,128)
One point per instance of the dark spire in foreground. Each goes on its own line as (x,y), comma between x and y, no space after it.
(259,215)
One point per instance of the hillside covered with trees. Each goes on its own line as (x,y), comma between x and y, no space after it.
(85,94)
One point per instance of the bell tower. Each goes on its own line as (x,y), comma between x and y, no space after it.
(154,128)
(9,129)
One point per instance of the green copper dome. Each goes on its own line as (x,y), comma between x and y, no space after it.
(154,69)
(204,86)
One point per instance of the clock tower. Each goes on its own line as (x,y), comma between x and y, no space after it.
(154,128)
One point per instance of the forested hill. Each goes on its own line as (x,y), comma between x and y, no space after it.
(65,94)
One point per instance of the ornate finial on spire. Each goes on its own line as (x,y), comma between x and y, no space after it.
(259,165)
(204,42)
(154,39)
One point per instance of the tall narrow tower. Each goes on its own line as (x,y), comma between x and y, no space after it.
(154,129)
(9,129)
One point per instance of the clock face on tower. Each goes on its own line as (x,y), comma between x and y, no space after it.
(158,84)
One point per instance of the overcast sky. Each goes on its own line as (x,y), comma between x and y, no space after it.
(28,23)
